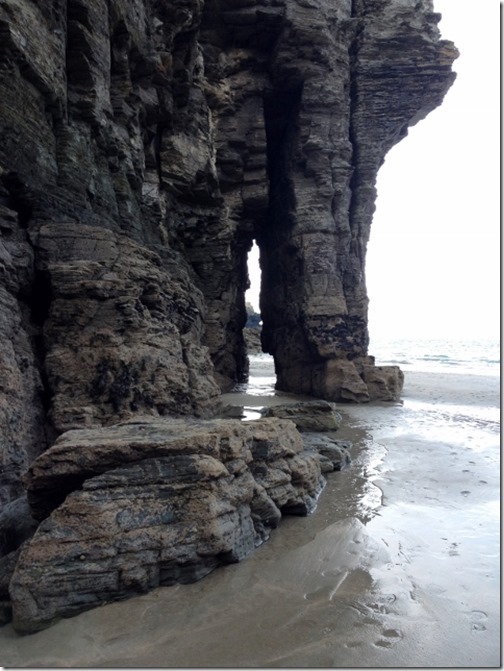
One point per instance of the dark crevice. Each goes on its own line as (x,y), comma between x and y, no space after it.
(356,175)
(354,93)
(157,141)
(79,12)
(38,303)
(281,114)
(281,111)
(39,300)
(44,502)
(19,199)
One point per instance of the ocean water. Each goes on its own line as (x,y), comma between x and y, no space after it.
(467,393)
(477,357)
(459,356)
(468,372)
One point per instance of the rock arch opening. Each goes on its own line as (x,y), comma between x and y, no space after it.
(253,325)
(254,289)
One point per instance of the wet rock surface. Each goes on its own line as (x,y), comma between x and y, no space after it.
(333,454)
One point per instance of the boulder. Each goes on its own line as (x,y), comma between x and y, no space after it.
(334,454)
(385,383)
(152,502)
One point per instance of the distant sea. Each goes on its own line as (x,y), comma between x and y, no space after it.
(467,357)
(476,357)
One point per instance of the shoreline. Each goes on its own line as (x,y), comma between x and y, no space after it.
(436,388)
(397,566)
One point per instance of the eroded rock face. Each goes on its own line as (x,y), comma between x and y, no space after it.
(145,144)
(153,502)
(347,81)
(123,330)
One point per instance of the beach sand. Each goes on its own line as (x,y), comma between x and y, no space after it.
(397,567)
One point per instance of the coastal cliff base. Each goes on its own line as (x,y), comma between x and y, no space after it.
(150,502)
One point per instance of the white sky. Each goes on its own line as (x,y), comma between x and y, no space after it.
(433,261)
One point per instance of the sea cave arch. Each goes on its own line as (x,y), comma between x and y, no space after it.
(301,131)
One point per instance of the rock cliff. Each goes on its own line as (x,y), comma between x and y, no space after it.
(145,145)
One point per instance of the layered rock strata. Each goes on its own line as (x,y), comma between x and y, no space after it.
(145,145)
(347,81)
(316,416)
(153,502)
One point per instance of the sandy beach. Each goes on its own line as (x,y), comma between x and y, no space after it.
(397,567)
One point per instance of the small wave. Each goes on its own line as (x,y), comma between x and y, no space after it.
(435,357)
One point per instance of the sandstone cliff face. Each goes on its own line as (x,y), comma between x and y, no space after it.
(145,145)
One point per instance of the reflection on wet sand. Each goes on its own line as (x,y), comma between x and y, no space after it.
(397,567)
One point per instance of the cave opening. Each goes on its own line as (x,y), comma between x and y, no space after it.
(253,325)
(265,298)
(253,292)
(261,375)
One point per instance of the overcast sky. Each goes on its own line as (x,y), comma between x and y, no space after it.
(433,259)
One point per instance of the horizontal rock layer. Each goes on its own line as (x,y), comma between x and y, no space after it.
(308,416)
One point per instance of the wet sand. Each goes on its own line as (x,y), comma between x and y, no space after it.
(397,567)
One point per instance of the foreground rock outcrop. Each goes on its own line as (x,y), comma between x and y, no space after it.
(145,145)
(153,502)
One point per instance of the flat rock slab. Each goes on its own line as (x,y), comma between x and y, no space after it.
(309,415)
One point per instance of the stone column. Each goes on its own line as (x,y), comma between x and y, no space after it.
(347,81)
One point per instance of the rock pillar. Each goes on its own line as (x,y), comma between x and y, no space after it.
(347,79)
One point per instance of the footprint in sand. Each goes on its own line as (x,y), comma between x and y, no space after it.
(477,619)
(453,552)
(390,638)
(382,604)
